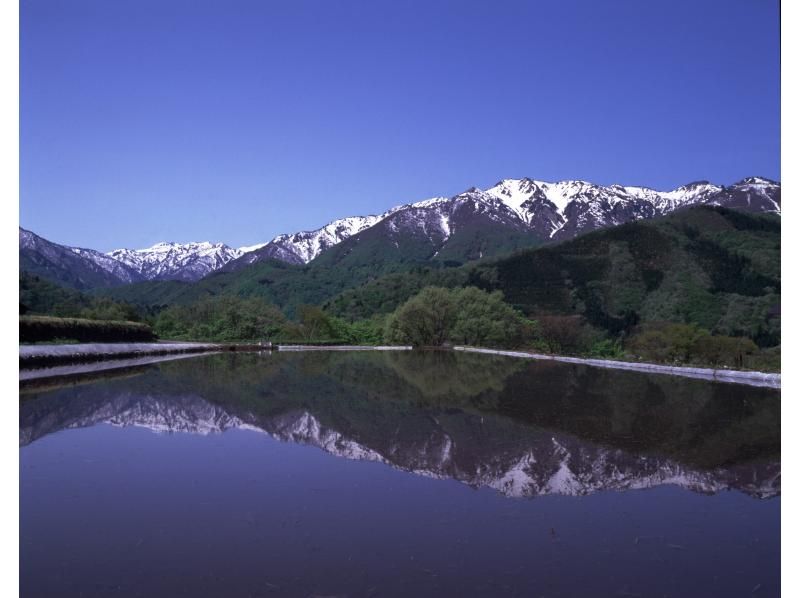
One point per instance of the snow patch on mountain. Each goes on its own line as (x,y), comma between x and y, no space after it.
(307,245)
(249,248)
(177,261)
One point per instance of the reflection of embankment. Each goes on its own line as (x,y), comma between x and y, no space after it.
(478,449)
(51,378)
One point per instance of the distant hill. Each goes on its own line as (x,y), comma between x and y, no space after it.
(72,267)
(713,266)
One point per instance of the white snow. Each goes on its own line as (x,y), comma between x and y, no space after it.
(425,203)
(169,259)
(307,245)
(249,248)
(444,223)
(515,192)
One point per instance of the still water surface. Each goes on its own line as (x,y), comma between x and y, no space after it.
(398,474)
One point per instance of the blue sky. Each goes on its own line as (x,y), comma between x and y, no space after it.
(233,121)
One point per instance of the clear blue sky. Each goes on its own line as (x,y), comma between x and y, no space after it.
(234,121)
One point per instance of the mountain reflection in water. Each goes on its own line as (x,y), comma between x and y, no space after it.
(521,428)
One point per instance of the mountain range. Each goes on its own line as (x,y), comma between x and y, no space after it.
(513,214)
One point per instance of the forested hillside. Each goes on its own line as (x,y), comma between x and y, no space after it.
(714,267)
(710,266)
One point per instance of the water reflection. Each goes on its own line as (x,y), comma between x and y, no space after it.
(521,428)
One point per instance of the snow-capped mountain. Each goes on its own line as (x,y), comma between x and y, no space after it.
(568,208)
(512,214)
(543,210)
(302,247)
(178,261)
(536,463)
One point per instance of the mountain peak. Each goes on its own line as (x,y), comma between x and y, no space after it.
(694,184)
(756,180)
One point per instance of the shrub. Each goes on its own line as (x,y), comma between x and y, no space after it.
(723,350)
(687,343)
(563,334)
(607,348)
(44,328)
(666,342)
(467,316)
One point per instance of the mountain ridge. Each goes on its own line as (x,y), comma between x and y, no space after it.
(512,214)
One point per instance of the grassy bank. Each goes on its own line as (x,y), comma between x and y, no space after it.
(37,329)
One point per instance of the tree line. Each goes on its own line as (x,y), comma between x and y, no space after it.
(437,316)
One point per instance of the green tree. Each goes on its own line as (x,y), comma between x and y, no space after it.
(315,324)
(424,320)
(485,319)
(468,316)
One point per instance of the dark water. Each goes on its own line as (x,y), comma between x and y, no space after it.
(398,474)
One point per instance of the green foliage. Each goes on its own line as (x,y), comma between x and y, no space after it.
(564,334)
(667,343)
(765,360)
(34,329)
(385,294)
(40,296)
(362,332)
(757,318)
(315,323)
(221,319)
(484,319)
(288,286)
(723,350)
(103,308)
(607,349)
(236,319)
(690,344)
(424,320)
(709,266)
(467,316)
